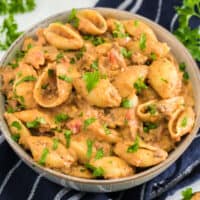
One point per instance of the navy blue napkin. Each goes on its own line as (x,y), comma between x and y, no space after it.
(19,182)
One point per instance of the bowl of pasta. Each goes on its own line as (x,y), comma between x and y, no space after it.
(99,100)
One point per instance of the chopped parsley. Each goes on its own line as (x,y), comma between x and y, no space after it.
(136,23)
(88,122)
(147,126)
(26,79)
(36,123)
(59,57)
(55,143)
(43,157)
(164,80)
(72,60)
(16,125)
(96,40)
(99,154)
(65,78)
(97,171)
(67,134)
(119,31)
(184,122)
(106,129)
(89,148)
(61,117)
(79,54)
(95,64)
(142,42)
(15,137)
(182,68)
(126,103)
(50,72)
(153,56)
(73,19)
(151,109)
(187,194)
(126,53)
(91,79)
(45,86)
(139,85)
(134,147)
(186,76)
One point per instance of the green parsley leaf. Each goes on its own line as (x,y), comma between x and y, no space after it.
(72,60)
(126,53)
(139,85)
(187,194)
(15,137)
(43,158)
(36,123)
(67,134)
(10,110)
(119,31)
(97,171)
(61,117)
(16,125)
(59,57)
(186,76)
(153,56)
(89,148)
(73,19)
(134,147)
(50,72)
(106,129)
(182,67)
(151,109)
(184,122)
(96,40)
(99,154)
(88,122)
(79,54)
(147,126)
(142,42)
(136,23)
(26,79)
(45,86)
(55,143)
(95,64)
(126,103)
(65,78)
(91,79)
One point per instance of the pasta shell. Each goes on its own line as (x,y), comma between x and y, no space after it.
(20,129)
(136,28)
(91,22)
(59,158)
(181,122)
(103,95)
(57,96)
(81,171)
(63,37)
(113,167)
(124,81)
(145,156)
(164,78)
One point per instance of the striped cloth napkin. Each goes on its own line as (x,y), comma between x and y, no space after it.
(19,182)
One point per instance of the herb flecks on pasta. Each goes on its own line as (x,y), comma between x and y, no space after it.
(90,96)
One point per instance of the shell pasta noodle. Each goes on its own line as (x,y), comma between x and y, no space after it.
(97,97)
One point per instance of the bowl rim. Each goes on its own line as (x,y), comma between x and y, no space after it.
(173,156)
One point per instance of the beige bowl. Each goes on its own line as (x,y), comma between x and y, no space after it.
(180,53)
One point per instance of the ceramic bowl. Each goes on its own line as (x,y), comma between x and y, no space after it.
(180,53)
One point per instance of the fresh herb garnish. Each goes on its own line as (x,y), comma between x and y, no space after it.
(26,79)
(55,143)
(45,86)
(190,37)
(106,129)
(142,42)
(50,72)
(15,137)
(184,122)
(36,123)
(96,40)
(91,79)
(119,31)
(136,23)
(43,158)
(153,56)
(72,60)
(89,148)
(95,64)
(88,122)
(65,78)
(97,171)
(61,117)
(67,134)
(147,126)
(16,125)
(186,76)
(163,80)
(73,19)
(134,147)
(182,68)
(59,57)
(187,194)
(79,54)
(99,154)
(139,85)
(126,103)
(126,53)
(151,109)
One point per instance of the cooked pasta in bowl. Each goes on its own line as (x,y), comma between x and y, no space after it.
(99,100)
